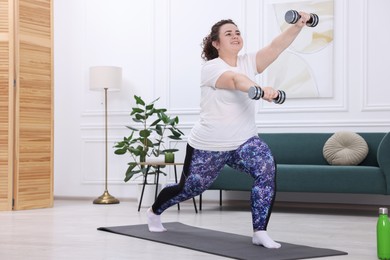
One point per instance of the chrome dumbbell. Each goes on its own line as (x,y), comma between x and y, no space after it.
(256,93)
(293,16)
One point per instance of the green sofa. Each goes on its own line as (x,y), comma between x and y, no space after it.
(301,167)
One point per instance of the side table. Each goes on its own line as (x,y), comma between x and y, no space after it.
(158,165)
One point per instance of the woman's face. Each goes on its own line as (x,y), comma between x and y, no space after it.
(230,39)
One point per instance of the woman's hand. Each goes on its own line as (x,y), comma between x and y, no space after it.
(269,93)
(304,18)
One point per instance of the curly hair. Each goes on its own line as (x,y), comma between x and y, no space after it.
(209,51)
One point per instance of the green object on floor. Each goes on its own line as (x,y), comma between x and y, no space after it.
(383,235)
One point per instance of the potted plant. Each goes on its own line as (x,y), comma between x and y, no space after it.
(147,140)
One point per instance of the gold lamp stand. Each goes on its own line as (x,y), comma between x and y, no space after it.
(106,198)
(104,77)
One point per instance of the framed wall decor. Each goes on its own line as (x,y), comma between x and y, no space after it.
(305,69)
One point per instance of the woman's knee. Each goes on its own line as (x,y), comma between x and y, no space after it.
(195,185)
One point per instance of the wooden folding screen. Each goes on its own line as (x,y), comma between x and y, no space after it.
(6,103)
(28,102)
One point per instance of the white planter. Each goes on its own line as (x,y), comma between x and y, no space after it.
(152,159)
(149,194)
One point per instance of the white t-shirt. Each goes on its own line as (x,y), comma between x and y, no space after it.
(227,117)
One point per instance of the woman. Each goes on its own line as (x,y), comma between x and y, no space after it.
(226,132)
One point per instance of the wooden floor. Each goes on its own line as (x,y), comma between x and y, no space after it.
(68,230)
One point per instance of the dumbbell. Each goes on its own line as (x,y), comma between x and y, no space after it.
(293,16)
(256,93)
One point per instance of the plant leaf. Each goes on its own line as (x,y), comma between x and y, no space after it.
(159,130)
(156,122)
(132,165)
(161,110)
(129,176)
(137,110)
(150,143)
(134,151)
(120,151)
(174,137)
(151,112)
(154,101)
(139,100)
(139,117)
(131,128)
(144,133)
(174,132)
(149,107)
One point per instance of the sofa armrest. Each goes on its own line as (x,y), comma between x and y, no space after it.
(383,158)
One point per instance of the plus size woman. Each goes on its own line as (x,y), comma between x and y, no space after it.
(226,132)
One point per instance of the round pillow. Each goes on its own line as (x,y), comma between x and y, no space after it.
(345,148)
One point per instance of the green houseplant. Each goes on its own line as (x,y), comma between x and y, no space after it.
(147,140)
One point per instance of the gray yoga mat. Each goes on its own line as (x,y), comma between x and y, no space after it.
(220,243)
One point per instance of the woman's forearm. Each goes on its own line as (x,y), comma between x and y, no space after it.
(270,53)
(281,42)
(242,82)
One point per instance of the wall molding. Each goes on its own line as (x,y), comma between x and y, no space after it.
(325,124)
(100,176)
(264,123)
(366,105)
(339,101)
(301,109)
(376,107)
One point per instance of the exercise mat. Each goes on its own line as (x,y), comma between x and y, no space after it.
(220,243)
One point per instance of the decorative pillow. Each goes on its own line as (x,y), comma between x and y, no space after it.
(345,148)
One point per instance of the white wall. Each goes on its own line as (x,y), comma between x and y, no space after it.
(157,43)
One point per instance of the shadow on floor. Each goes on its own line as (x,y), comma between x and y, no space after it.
(298,207)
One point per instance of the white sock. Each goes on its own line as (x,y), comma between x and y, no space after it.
(261,238)
(154,222)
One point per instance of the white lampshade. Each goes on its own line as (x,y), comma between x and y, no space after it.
(101,77)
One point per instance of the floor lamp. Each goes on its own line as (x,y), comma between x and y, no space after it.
(105,78)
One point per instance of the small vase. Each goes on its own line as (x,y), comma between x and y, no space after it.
(169,157)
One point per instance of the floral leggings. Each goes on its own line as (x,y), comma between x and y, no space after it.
(201,168)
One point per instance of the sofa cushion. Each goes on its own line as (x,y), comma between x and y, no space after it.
(345,148)
(330,179)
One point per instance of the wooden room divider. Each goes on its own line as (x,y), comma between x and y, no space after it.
(26,104)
